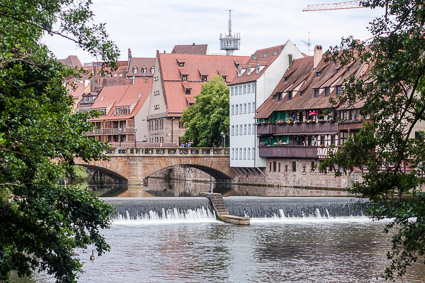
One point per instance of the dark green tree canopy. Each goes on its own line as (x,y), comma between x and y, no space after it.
(209,116)
(390,150)
(42,221)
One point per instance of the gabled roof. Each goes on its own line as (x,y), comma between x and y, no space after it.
(194,66)
(302,79)
(262,58)
(191,49)
(122,96)
(71,61)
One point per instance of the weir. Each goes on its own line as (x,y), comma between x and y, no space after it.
(200,209)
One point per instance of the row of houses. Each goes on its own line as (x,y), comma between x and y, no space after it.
(281,118)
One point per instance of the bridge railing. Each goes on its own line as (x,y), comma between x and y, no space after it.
(170,151)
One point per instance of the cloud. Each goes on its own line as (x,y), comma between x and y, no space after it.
(148,25)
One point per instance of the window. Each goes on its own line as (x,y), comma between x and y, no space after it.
(249,129)
(253,129)
(316,92)
(240,152)
(156,107)
(224,78)
(249,88)
(286,167)
(249,107)
(233,130)
(184,77)
(244,89)
(135,70)
(275,52)
(240,130)
(253,107)
(236,154)
(240,108)
(152,70)
(115,75)
(279,166)
(233,110)
(265,54)
(318,74)
(244,129)
(332,139)
(181,64)
(236,112)
(204,78)
(244,154)
(322,140)
(290,95)
(120,75)
(342,137)
(254,57)
(294,166)
(253,153)
(236,132)
(144,70)
(187,90)
(338,90)
(233,153)
(327,91)
(140,95)
(155,78)
(248,155)
(156,92)
(231,90)
(244,108)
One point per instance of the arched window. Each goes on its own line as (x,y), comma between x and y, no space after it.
(135,70)
(152,70)
(143,70)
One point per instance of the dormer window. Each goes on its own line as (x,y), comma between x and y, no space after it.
(181,64)
(318,74)
(279,96)
(224,78)
(290,95)
(184,77)
(275,52)
(254,57)
(144,70)
(265,54)
(135,70)
(327,91)
(140,95)
(204,78)
(338,90)
(316,92)
(187,91)
(152,70)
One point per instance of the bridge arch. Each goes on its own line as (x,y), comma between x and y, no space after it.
(114,175)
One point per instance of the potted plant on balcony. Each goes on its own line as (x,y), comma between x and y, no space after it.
(264,122)
(262,144)
(290,121)
(331,120)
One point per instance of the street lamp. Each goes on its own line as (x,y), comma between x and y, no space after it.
(224,138)
(119,131)
(135,131)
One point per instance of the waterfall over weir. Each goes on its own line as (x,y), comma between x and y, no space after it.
(155,210)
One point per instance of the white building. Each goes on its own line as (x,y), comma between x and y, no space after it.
(255,82)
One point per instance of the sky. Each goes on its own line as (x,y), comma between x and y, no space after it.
(146,26)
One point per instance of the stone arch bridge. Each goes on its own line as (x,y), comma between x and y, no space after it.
(133,165)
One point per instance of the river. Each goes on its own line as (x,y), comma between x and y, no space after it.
(186,244)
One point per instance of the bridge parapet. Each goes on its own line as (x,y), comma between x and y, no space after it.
(171,151)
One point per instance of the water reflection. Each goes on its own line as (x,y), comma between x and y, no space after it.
(263,252)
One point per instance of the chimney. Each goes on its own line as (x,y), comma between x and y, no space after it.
(129,54)
(193,44)
(317,55)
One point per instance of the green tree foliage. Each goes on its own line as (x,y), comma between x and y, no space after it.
(208,117)
(42,221)
(394,96)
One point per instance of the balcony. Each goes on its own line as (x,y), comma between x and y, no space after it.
(110,131)
(295,151)
(350,125)
(297,129)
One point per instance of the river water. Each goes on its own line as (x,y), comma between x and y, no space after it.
(182,243)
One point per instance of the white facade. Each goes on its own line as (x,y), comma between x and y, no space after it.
(245,98)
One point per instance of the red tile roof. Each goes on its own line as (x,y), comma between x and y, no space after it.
(194,66)
(71,61)
(301,79)
(121,96)
(191,49)
(140,62)
(262,58)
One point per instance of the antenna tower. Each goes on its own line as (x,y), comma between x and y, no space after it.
(230,41)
